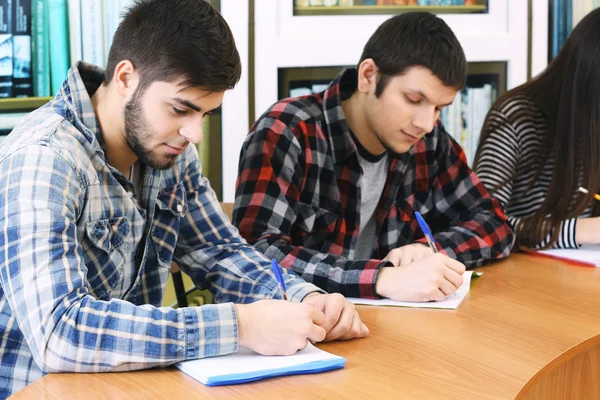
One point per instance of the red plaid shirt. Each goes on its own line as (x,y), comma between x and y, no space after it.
(297,198)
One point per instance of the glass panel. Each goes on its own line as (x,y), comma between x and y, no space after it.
(364,7)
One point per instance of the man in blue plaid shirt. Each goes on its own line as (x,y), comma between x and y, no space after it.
(100,191)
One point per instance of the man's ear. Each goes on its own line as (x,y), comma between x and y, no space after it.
(367,76)
(125,78)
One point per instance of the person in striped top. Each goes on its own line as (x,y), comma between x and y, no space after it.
(541,142)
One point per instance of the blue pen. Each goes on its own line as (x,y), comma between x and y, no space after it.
(426,231)
(279,278)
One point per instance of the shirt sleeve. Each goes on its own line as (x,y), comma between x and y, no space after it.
(43,277)
(497,160)
(211,250)
(271,175)
(478,230)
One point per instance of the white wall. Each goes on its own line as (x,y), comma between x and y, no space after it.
(539,36)
(235,112)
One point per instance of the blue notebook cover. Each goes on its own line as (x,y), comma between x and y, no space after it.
(247,366)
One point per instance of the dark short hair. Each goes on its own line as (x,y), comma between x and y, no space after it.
(416,39)
(165,39)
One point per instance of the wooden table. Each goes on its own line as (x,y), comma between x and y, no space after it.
(521,314)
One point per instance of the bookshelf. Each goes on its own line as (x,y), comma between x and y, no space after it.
(22,103)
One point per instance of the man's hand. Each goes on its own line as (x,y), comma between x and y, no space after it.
(342,321)
(406,254)
(431,278)
(278,327)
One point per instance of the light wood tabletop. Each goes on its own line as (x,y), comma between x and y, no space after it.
(521,314)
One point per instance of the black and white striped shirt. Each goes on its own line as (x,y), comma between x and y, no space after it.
(516,127)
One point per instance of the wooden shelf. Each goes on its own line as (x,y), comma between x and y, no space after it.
(22,103)
(369,10)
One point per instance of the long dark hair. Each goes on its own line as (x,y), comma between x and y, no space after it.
(568,94)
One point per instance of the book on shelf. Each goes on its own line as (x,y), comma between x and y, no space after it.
(6,49)
(91,32)
(110,20)
(113,11)
(562,21)
(74,12)
(40,39)
(59,42)
(21,75)
(40,48)
(463,119)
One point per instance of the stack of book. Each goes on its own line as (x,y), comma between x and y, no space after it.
(564,15)
(464,118)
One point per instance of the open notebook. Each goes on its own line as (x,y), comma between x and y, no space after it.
(586,255)
(247,366)
(451,302)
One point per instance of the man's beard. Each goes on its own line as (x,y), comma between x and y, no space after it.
(138,132)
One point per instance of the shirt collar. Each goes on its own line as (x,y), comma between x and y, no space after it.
(340,139)
(83,80)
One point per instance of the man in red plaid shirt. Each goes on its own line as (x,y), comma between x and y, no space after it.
(329,183)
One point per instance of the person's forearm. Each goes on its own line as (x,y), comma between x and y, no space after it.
(100,336)
(473,241)
(332,273)
(588,231)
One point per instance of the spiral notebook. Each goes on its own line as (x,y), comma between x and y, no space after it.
(246,366)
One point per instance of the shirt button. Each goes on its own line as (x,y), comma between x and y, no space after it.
(179,208)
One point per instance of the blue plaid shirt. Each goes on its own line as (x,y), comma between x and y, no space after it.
(84,261)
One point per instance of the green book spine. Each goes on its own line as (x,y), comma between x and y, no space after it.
(59,43)
(6,49)
(41,55)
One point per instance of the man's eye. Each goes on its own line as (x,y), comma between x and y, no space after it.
(179,111)
(411,101)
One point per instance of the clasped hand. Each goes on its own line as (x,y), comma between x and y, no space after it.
(276,327)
